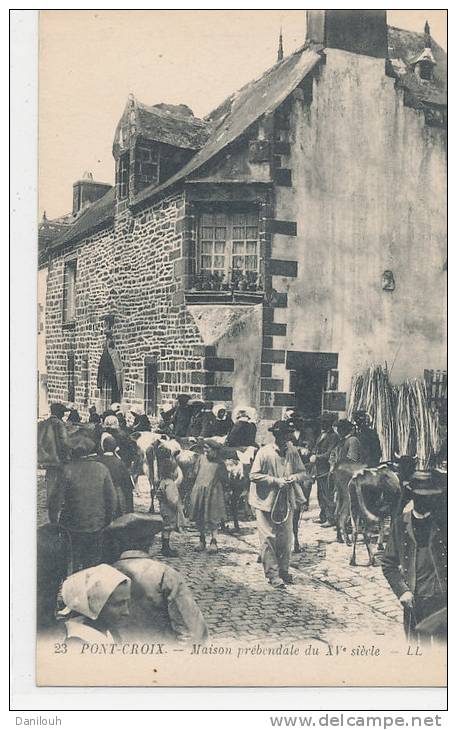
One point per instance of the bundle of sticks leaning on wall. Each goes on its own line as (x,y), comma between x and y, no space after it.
(405,422)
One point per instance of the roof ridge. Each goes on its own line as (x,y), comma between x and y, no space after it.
(105,205)
(269,90)
(419,35)
(161,112)
(253,81)
(405,30)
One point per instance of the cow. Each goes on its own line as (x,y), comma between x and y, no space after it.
(237,462)
(341,476)
(143,464)
(374,495)
(367,497)
(167,449)
(403,466)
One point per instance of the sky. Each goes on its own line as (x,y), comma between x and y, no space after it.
(90,60)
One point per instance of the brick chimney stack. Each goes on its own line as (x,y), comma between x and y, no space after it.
(357,31)
(87,191)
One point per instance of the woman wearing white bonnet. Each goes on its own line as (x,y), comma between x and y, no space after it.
(222,422)
(244,430)
(98,600)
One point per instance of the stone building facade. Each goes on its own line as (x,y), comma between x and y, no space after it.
(263,255)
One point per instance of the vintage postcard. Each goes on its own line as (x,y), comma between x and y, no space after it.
(242,363)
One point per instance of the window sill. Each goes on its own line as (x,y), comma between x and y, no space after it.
(223,297)
(70,325)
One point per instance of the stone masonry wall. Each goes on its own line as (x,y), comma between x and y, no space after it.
(151,319)
(85,337)
(130,273)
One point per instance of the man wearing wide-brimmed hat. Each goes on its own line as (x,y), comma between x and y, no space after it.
(181,416)
(370,448)
(244,430)
(325,443)
(415,559)
(275,493)
(90,502)
(162,605)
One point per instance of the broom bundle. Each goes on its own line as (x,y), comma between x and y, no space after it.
(401,415)
(372,392)
(405,437)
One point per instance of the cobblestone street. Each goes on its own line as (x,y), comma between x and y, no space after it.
(328,598)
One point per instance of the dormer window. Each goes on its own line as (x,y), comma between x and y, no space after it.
(424,63)
(123,177)
(425,70)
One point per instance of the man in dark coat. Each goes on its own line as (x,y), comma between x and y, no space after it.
(52,566)
(370,448)
(201,423)
(93,416)
(89,504)
(53,452)
(182,416)
(323,447)
(346,450)
(244,430)
(415,560)
(198,410)
(349,448)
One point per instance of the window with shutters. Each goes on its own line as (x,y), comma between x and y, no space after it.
(69,291)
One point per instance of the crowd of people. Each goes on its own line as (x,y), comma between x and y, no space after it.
(203,462)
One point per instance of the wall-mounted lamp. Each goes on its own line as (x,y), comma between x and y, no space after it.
(388,281)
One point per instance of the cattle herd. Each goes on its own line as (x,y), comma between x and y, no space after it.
(366,499)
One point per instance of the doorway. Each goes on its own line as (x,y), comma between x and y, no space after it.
(308,385)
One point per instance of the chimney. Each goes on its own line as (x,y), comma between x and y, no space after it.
(86,191)
(357,31)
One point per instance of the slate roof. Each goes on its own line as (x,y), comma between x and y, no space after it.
(165,125)
(171,124)
(92,218)
(50,230)
(237,113)
(408,46)
(176,125)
